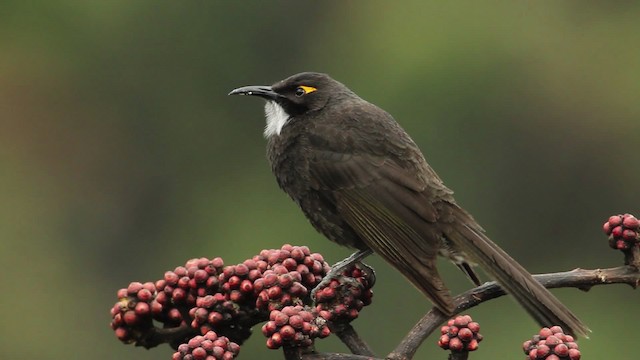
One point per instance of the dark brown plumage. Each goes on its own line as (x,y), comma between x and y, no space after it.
(362,182)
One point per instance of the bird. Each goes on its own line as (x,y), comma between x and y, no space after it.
(362,182)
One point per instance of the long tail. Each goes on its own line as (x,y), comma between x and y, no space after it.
(543,306)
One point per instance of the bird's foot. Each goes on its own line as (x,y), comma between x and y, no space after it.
(339,267)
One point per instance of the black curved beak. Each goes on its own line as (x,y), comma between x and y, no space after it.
(257,90)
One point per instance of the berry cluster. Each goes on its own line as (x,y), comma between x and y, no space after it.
(551,344)
(622,231)
(294,326)
(207,347)
(460,334)
(180,287)
(132,314)
(230,308)
(205,297)
(343,297)
(291,272)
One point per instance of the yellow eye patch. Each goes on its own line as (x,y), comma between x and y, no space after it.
(307,89)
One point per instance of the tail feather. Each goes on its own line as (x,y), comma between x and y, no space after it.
(543,306)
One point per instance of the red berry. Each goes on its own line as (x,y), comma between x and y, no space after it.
(281,319)
(574,354)
(552,340)
(561,350)
(122,293)
(615,220)
(242,269)
(211,335)
(444,342)
(543,350)
(617,231)
(444,330)
(287,332)
(629,235)
(630,222)
(134,287)
(296,321)
(142,309)
(246,286)
(194,342)
(174,315)
(270,279)
(297,254)
(622,245)
(285,281)
(217,352)
(325,332)
(606,228)
(234,282)
(556,329)
(276,338)
(453,330)
(274,292)
(130,318)
(234,348)
(145,295)
(474,326)
(290,264)
(269,328)
(473,345)
(254,274)
(236,296)
(199,353)
(207,344)
(179,295)
(217,263)
(122,334)
(465,334)
(455,344)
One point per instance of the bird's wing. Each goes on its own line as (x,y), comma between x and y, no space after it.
(390,209)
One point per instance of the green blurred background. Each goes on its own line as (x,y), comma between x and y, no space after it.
(121,155)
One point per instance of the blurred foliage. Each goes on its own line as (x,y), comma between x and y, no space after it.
(121,155)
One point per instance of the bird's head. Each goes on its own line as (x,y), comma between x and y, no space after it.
(294,96)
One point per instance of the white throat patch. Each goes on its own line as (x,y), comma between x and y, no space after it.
(276,119)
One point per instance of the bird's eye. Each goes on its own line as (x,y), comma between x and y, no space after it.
(304,90)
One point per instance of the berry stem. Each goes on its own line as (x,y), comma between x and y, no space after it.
(632,257)
(295,352)
(464,355)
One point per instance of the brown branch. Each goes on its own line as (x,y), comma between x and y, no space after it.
(173,336)
(350,337)
(337,356)
(632,256)
(578,278)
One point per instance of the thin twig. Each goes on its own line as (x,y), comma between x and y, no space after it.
(350,337)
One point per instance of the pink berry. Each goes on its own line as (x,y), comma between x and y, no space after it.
(617,231)
(615,220)
(629,235)
(631,222)
(455,344)
(465,334)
